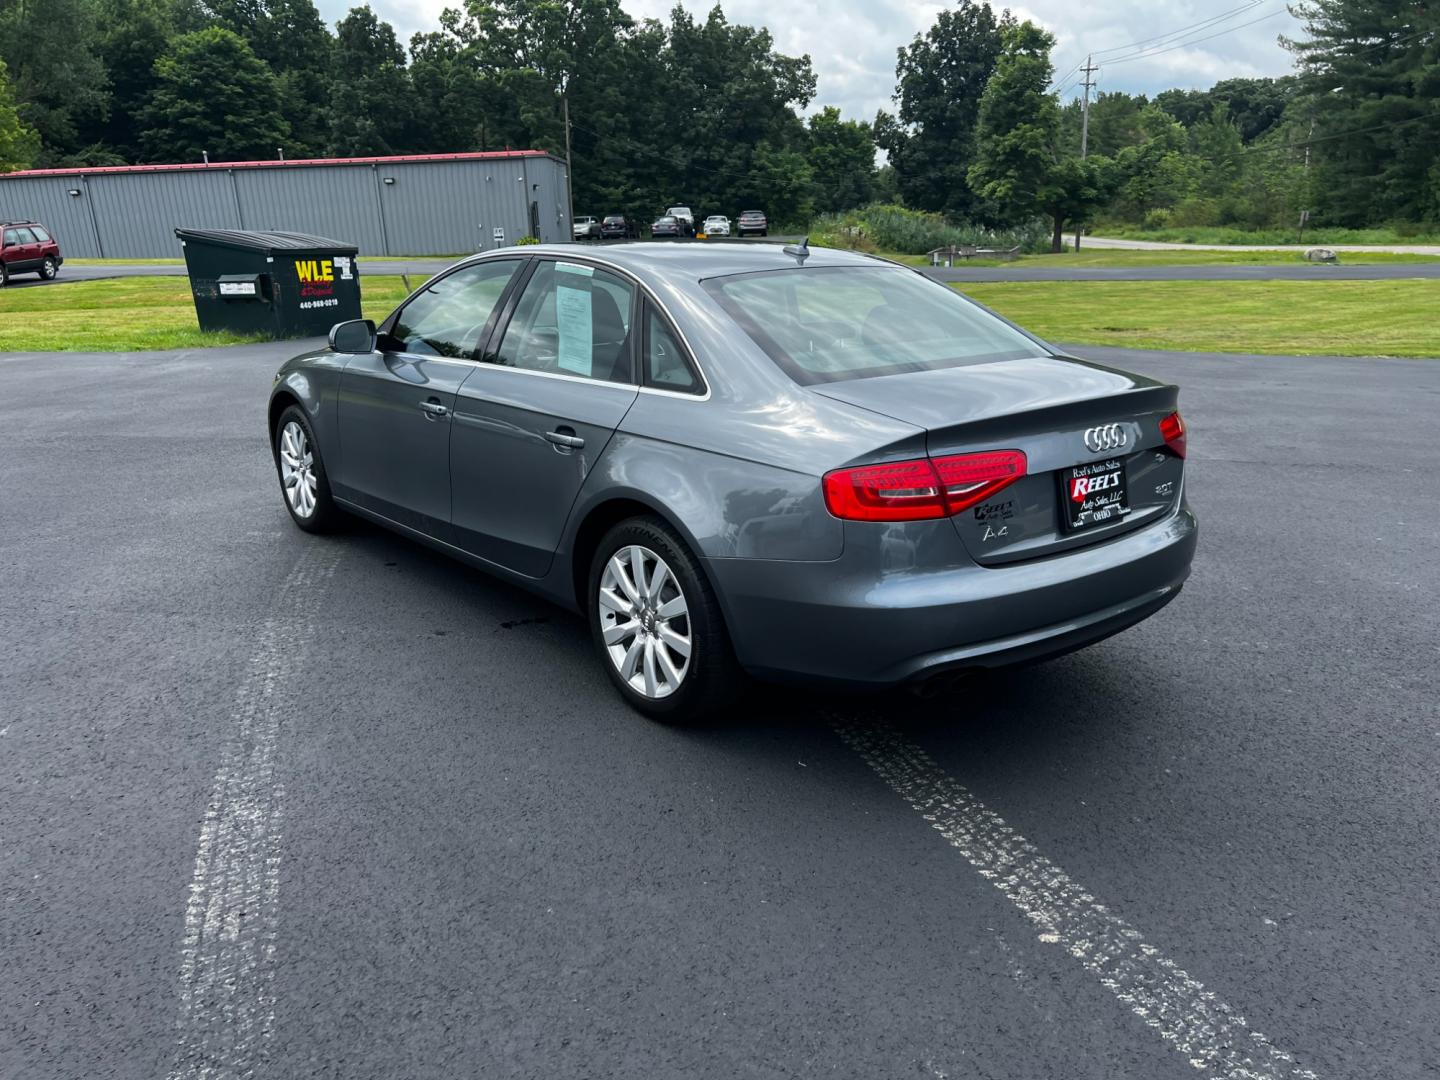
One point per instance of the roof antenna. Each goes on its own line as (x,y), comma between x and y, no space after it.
(801,251)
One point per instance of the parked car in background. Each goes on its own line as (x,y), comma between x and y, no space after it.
(667,226)
(27,247)
(586,228)
(685,216)
(716,225)
(807,464)
(753,222)
(617,227)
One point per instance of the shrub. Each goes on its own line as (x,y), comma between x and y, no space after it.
(896,229)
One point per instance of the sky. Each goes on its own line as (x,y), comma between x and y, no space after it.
(852,43)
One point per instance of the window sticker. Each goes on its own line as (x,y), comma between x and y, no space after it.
(574,321)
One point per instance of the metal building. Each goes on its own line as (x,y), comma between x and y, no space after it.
(427,204)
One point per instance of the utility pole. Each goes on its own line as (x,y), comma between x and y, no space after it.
(1089,70)
(569,184)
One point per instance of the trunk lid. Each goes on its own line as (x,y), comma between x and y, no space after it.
(1043,406)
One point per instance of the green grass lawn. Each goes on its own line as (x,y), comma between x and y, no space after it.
(134,314)
(1336,318)
(1303,318)
(1206,234)
(181,262)
(1119,258)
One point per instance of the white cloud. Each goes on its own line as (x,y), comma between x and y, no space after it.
(852,43)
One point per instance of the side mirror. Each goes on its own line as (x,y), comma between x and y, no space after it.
(355,336)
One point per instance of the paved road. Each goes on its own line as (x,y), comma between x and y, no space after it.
(1241,272)
(425,840)
(1158,245)
(1290,272)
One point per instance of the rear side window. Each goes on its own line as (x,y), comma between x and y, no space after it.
(40,234)
(826,324)
(447,317)
(665,365)
(572,319)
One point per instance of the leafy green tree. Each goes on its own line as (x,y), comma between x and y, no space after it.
(1018,128)
(1254,105)
(1158,173)
(1115,123)
(1018,168)
(58,81)
(373,106)
(1369,79)
(451,91)
(941,77)
(213,94)
(841,156)
(133,35)
(19,143)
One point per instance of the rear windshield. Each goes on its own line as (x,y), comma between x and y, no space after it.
(826,324)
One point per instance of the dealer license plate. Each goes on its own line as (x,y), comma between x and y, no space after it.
(1093,494)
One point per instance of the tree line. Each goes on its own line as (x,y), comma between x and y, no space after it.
(709,113)
(698,111)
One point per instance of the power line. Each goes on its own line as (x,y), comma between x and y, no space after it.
(1289,147)
(1204,24)
(1195,41)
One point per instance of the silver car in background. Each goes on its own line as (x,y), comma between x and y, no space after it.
(716,225)
(796,463)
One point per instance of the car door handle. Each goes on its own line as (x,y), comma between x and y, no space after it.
(434,408)
(565,440)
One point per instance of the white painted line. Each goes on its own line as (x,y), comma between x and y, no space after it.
(227,1005)
(1213,1037)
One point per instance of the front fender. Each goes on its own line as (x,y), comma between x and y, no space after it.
(313,381)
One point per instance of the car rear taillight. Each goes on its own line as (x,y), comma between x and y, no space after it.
(920,488)
(1172,430)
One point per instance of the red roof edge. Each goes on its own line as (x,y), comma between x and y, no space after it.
(402,159)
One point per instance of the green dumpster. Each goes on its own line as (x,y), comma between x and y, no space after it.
(279,284)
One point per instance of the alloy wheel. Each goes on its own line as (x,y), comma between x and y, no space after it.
(297,469)
(644,621)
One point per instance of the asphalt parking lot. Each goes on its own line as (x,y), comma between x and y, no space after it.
(275,806)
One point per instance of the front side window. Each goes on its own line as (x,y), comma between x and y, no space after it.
(571,320)
(447,317)
(826,324)
(11,238)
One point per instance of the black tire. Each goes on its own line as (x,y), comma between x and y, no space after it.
(4,275)
(714,680)
(325,515)
(48,269)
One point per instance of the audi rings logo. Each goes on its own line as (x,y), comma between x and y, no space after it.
(1106,437)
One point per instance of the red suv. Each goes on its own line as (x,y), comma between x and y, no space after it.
(27,248)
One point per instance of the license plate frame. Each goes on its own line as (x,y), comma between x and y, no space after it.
(1103,497)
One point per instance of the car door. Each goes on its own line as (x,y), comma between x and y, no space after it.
(538,411)
(14,251)
(395,403)
(29,258)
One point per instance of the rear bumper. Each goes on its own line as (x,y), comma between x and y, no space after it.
(855,622)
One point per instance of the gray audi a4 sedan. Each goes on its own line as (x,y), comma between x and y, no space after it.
(802,464)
